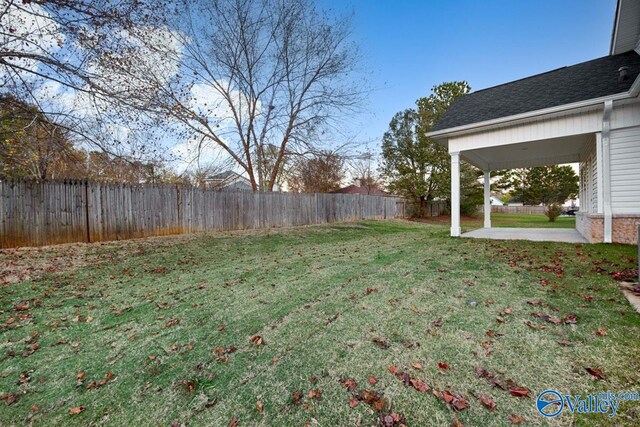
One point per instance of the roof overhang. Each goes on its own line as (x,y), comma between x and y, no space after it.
(442,135)
(626,27)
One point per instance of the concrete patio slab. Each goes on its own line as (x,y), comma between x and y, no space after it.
(568,235)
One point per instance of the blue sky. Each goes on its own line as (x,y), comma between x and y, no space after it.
(410,46)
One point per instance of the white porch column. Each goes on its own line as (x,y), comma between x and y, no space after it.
(599,175)
(487,199)
(455,194)
(606,170)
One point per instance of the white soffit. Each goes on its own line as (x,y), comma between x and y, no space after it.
(530,154)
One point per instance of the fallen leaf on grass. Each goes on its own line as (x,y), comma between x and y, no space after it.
(257,340)
(76,410)
(295,397)
(373,399)
(534,327)
(456,423)
(391,420)
(516,419)
(190,386)
(437,323)
(393,369)
(456,401)
(443,365)
(570,319)
(9,398)
(417,365)
(372,380)
(565,342)
(596,373)
(353,402)
(600,331)
(419,385)
(259,406)
(106,378)
(315,394)
(519,391)
(22,306)
(546,317)
(349,383)
(234,422)
(171,323)
(488,402)
(380,343)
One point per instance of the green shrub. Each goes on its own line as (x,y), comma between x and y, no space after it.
(553,211)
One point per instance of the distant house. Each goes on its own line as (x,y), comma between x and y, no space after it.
(228,180)
(587,113)
(369,190)
(495,201)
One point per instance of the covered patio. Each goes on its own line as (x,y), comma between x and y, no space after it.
(533,234)
(587,113)
(491,151)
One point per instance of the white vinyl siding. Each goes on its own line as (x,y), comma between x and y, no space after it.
(589,180)
(625,170)
(587,121)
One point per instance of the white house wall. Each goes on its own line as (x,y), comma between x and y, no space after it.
(625,170)
(544,128)
(589,179)
(625,114)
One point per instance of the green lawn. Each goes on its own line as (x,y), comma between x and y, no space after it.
(531,221)
(156,334)
(505,220)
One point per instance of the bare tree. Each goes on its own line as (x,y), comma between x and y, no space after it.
(51,53)
(364,172)
(321,173)
(258,78)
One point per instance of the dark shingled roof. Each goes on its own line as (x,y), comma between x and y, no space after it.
(588,80)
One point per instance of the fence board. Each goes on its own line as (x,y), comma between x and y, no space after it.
(528,210)
(44,213)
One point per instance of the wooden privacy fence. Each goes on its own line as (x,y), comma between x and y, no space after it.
(529,210)
(43,213)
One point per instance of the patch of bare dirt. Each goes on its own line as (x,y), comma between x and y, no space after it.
(20,264)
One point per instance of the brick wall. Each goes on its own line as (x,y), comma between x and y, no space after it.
(625,227)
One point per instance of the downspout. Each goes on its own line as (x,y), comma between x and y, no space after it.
(606,170)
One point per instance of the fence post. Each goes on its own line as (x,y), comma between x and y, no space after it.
(86,209)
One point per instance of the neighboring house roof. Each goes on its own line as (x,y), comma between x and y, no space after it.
(229,179)
(588,80)
(354,189)
(495,201)
(226,176)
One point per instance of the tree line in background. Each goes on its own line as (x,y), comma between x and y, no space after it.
(261,83)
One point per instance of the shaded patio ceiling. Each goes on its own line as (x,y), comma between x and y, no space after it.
(529,154)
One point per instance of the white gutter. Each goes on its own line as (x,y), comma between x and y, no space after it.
(606,170)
